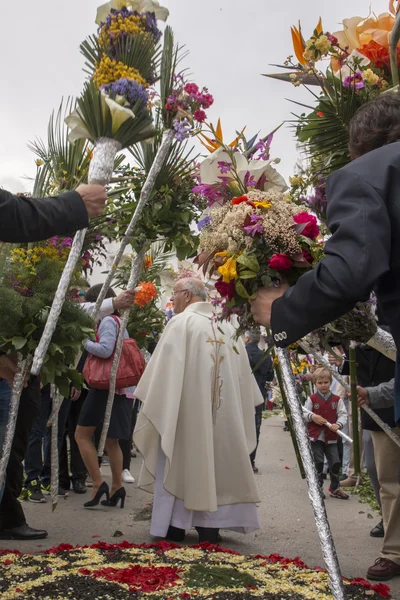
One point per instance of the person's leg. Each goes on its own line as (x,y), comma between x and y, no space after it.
(62,423)
(125,446)
(78,469)
(319,456)
(11,513)
(387,457)
(115,455)
(369,463)
(258,421)
(33,462)
(5,398)
(332,455)
(84,439)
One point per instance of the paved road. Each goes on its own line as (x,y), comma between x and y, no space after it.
(287,520)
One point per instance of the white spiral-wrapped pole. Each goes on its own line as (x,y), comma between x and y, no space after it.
(148,186)
(19,382)
(383,342)
(147,189)
(100,172)
(57,400)
(314,488)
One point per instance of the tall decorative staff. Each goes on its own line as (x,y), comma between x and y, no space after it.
(314,489)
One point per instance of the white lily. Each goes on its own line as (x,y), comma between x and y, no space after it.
(210,171)
(119,114)
(139,6)
(79,130)
(77,126)
(354,61)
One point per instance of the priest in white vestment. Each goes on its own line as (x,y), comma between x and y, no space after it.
(196,429)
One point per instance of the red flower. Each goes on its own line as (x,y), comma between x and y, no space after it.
(280,262)
(241,199)
(311,230)
(200,115)
(226,290)
(377,54)
(320,114)
(308,257)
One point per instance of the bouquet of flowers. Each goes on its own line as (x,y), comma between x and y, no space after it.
(252,235)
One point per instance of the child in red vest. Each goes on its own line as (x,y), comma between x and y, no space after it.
(319,409)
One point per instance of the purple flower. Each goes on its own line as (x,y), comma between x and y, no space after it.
(256,226)
(131,90)
(264,147)
(249,180)
(181,128)
(224,166)
(356,80)
(203,223)
(67,242)
(213,192)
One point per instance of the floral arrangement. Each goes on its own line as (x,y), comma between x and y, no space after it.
(122,62)
(252,235)
(29,277)
(186,105)
(166,570)
(146,293)
(357,69)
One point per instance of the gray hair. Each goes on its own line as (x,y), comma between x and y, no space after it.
(196,287)
(254,336)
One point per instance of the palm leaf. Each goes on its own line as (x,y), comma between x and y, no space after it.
(139,52)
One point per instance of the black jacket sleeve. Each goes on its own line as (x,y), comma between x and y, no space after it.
(35,219)
(357,255)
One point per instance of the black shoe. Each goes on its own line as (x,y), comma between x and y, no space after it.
(175,534)
(23,532)
(103,489)
(35,493)
(208,534)
(79,487)
(115,498)
(378,530)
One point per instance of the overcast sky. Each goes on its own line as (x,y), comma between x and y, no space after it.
(231,43)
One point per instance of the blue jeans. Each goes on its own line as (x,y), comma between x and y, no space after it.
(5,398)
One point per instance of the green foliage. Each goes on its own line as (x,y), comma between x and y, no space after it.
(212,576)
(26,295)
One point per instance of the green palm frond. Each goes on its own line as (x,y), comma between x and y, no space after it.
(140,53)
(324,132)
(65,166)
(92,50)
(172,55)
(97,118)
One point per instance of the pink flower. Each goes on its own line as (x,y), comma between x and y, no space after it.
(311,229)
(280,262)
(199,115)
(206,100)
(226,290)
(191,88)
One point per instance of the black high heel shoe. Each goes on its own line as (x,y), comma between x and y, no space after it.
(113,501)
(103,489)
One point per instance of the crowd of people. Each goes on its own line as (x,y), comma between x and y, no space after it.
(201,393)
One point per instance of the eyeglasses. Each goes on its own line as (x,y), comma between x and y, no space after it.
(178,291)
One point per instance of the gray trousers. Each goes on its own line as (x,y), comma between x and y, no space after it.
(369,463)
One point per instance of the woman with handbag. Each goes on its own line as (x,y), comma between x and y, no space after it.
(97,374)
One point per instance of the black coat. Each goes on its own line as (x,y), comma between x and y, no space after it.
(265,371)
(363,253)
(34,219)
(373,368)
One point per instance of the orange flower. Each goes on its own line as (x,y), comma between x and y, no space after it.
(148,261)
(299,45)
(146,294)
(213,145)
(359,31)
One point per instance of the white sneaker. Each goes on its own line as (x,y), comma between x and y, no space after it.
(127,477)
